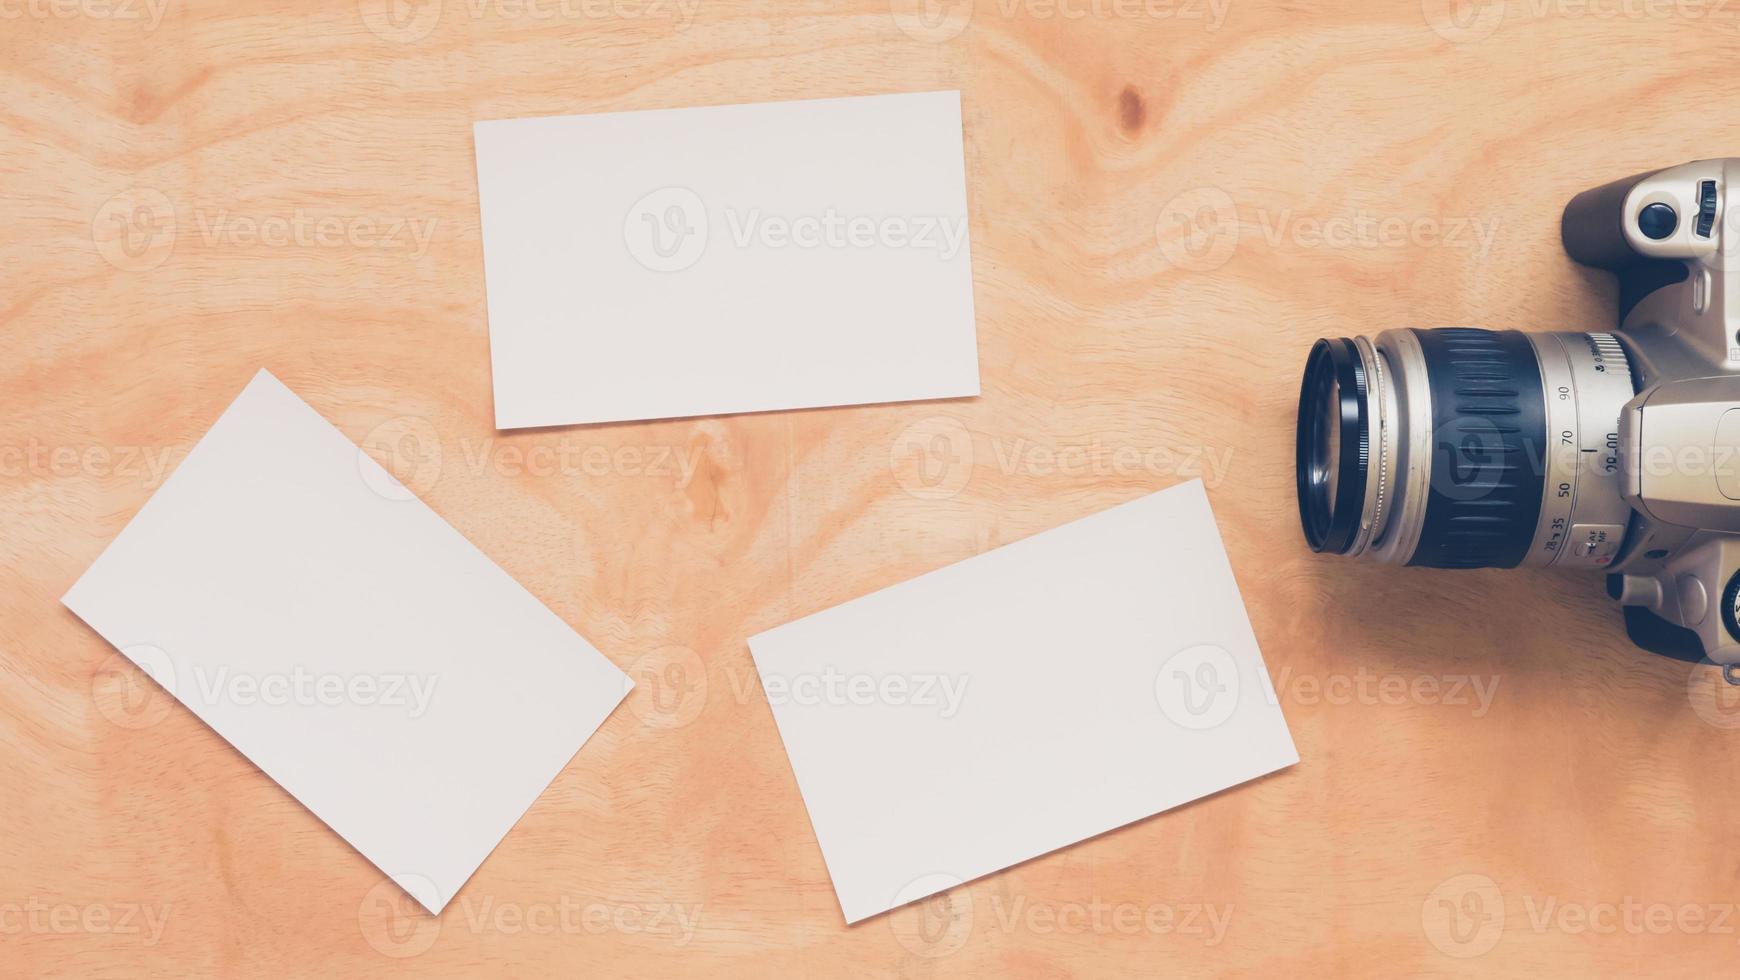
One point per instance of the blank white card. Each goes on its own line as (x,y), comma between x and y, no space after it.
(1022,700)
(347,640)
(740,258)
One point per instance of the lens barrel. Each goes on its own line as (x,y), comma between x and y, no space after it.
(1462,448)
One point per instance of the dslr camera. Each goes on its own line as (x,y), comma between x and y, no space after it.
(1614,451)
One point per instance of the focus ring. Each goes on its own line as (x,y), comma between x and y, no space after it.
(1488,433)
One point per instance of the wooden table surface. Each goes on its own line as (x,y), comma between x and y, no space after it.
(1170,200)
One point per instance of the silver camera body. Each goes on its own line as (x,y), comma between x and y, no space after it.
(1614,451)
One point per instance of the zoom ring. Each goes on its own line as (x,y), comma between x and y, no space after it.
(1488,433)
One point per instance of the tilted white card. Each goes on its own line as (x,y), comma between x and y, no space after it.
(348,641)
(740,258)
(1022,700)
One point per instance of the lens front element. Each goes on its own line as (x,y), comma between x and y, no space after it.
(1333,445)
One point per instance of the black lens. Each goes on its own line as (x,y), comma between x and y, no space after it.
(1333,445)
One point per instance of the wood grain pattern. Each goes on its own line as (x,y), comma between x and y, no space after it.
(1169,201)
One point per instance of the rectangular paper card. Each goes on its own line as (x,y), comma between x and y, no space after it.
(299,600)
(1022,700)
(741,258)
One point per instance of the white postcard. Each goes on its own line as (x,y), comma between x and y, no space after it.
(1022,700)
(740,258)
(347,640)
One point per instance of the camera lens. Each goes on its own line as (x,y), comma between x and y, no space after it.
(1462,448)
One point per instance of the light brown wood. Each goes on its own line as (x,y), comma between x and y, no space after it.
(1169,200)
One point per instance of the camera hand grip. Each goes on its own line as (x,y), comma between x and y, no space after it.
(1593,226)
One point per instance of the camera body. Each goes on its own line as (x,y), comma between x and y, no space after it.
(1613,451)
(1673,241)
